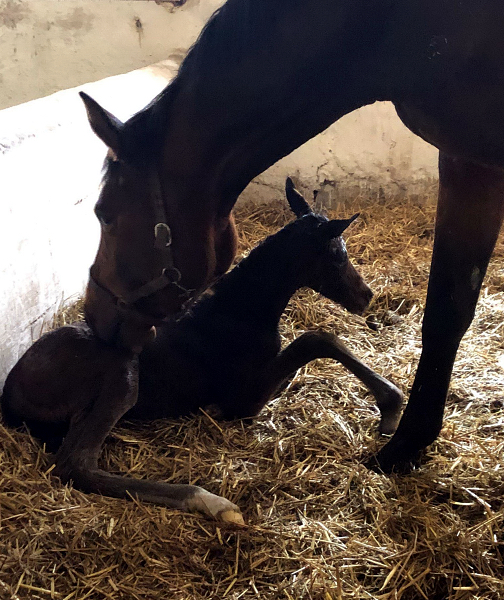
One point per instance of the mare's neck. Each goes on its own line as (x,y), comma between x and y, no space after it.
(260,81)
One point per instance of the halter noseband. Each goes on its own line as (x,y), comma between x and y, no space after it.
(170,275)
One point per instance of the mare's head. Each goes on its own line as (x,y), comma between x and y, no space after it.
(156,249)
(326,267)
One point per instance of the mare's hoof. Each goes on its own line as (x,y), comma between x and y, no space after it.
(214,411)
(385,467)
(390,460)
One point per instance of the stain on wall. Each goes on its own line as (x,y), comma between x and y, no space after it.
(174,3)
(77,20)
(12,12)
(137,23)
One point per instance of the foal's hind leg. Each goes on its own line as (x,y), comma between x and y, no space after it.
(77,458)
(320,344)
(470,213)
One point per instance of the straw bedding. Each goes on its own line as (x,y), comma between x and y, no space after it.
(320,525)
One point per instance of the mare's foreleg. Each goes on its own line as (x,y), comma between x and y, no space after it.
(319,344)
(77,459)
(469,216)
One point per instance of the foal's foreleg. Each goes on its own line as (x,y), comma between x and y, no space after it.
(320,344)
(77,459)
(470,213)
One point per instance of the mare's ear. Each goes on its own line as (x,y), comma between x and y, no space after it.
(335,228)
(103,123)
(298,204)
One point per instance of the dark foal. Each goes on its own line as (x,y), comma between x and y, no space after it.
(264,77)
(233,338)
(224,355)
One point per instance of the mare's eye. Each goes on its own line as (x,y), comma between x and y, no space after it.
(105,220)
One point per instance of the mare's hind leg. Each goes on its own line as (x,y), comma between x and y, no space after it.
(77,459)
(320,344)
(470,213)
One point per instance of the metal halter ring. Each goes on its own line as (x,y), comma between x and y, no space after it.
(162,236)
(172,274)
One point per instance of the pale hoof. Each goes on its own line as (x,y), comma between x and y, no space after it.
(216,507)
(389,423)
(390,405)
(233,517)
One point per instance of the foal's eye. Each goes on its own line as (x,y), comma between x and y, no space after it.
(338,250)
(340,257)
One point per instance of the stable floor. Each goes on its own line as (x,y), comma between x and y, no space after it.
(320,525)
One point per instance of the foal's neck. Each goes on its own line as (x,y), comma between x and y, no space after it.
(260,286)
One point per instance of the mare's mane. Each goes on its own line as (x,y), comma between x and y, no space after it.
(225,40)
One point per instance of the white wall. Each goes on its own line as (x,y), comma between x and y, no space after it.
(366,152)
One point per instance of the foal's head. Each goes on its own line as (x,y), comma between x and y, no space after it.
(326,267)
(160,243)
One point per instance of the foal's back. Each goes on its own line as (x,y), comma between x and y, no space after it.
(206,358)
(58,378)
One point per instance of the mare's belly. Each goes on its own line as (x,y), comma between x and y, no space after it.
(475,134)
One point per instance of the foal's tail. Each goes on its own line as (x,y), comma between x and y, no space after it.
(9,417)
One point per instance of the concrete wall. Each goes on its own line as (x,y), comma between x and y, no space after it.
(50,161)
(366,152)
(50,45)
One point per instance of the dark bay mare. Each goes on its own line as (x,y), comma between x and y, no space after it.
(266,76)
(224,355)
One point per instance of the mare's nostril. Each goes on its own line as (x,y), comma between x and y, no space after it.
(366,297)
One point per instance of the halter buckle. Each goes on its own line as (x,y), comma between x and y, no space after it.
(162,236)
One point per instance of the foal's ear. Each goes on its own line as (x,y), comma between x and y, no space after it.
(103,123)
(337,227)
(298,204)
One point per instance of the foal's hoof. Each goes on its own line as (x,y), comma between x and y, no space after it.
(390,404)
(389,423)
(232,517)
(216,507)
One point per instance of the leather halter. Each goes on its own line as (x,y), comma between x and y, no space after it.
(170,275)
